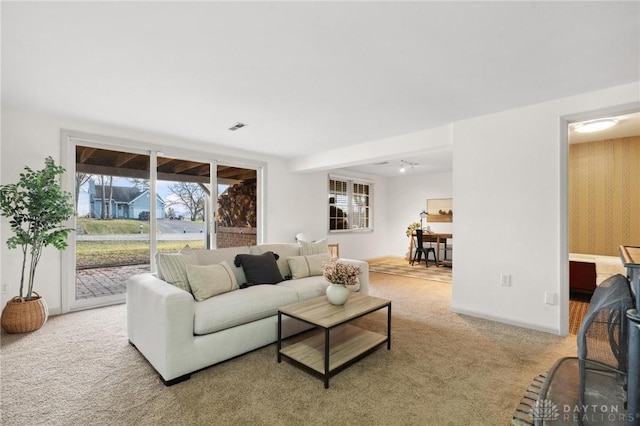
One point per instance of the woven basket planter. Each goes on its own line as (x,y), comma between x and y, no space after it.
(23,316)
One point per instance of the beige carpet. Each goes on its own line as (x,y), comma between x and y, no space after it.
(401,267)
(443,369)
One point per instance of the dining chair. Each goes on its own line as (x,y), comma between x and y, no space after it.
(420,248)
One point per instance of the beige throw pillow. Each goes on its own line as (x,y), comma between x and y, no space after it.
(210,280)
(307,266)
(308,248)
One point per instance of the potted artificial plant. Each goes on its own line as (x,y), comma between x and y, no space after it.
(36,207)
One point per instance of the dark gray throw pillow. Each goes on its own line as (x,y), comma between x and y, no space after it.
(259,268)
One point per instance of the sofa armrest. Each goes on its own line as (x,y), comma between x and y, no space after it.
(364,275)
(160,323)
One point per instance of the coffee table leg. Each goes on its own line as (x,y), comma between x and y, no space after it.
(389,327)
(279,336)
(326,358)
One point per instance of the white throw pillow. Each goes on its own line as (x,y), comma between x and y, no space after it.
(210,280)
(308,248)
(307,266)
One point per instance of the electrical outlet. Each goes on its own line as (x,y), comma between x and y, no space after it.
(505,280)
(5,288)
(550,298)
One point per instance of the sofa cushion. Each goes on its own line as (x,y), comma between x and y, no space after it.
(172,268)
(307,266)
(285,250)
(213,257)
(307,288)
(308,248)
(210,280)
(240,307)
(259,268)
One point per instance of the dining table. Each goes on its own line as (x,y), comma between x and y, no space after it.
(433,237)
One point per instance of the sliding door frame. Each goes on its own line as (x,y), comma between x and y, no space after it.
(71,138)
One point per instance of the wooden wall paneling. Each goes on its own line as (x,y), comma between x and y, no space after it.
(604,191)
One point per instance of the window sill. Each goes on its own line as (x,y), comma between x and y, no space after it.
(350,231)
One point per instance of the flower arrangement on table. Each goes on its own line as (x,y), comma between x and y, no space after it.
(412,227)
(340,273)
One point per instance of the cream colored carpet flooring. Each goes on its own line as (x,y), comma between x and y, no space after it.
(443,369)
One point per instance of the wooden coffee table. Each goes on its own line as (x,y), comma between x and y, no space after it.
(341,344)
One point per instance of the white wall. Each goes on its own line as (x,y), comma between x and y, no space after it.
(507,201)
(295,202)
(509,213)
(27,142)
(408,196)
(364,244)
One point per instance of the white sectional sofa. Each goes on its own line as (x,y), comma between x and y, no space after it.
(179,335)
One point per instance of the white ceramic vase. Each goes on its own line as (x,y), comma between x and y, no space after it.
(337,294)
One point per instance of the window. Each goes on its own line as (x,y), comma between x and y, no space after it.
(350,204)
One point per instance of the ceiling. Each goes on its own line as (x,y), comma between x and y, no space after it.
(307,77)
(103,161)
(442,161)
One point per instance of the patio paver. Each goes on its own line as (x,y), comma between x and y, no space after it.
(99,282)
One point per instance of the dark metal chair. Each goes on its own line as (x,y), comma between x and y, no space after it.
(420,248)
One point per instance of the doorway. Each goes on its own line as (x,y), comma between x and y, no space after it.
(602,192)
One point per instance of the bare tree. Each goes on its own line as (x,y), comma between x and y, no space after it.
(81,179)
(141,184)
(106,181)
(190,196)
(110,197)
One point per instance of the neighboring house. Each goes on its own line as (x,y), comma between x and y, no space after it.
(126,202)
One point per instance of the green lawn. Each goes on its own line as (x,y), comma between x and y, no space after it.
(111,226)
(103,253)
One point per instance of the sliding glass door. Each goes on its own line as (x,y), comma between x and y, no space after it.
(237,206)
(132,201)
(112,201)
(183,186)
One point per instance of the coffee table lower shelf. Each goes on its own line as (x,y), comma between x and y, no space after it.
(348,344)
(334,344)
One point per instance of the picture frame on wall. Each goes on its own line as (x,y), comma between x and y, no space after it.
(440,210)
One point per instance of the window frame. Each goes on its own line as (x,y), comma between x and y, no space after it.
(351,183)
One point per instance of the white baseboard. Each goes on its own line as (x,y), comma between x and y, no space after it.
(509,321)
(383,258)
(55,311)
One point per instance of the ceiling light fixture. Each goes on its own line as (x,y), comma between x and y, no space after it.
(237,126)
(594,125)
(405,164)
